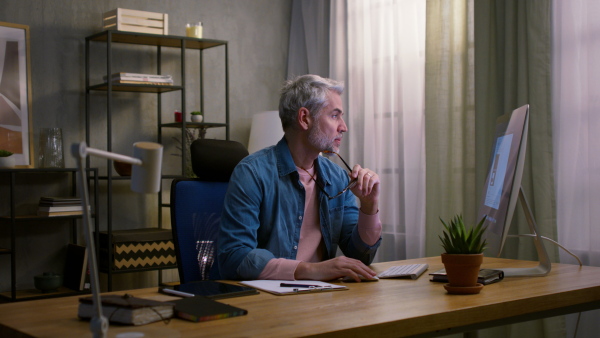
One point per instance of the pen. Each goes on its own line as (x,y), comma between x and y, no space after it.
(289,285)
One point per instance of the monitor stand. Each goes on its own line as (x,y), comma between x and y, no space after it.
(545,265)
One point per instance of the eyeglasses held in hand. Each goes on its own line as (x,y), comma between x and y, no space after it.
(350,185)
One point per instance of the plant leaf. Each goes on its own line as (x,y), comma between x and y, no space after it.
(458,240)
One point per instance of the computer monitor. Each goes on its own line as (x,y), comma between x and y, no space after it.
(502,189)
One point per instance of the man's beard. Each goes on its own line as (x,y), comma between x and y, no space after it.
(320,141)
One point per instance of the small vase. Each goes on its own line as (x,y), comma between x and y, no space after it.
(197,118)
(7,162)
(462,272)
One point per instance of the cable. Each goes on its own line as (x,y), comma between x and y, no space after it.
(553,241)
(577,325)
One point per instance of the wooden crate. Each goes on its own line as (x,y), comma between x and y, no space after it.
(136,21)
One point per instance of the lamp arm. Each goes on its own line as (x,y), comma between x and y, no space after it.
(98,323)
(112,156)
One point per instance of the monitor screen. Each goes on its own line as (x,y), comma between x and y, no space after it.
(501,189)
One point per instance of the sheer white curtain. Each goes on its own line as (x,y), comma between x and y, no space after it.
(382,61)
(576,121)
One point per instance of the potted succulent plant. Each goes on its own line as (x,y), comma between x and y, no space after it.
(197,116)
(6,159)
(464,255)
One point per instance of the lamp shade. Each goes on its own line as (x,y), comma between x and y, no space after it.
(265,130)
(145,178)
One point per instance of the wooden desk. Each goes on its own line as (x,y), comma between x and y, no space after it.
(382,309)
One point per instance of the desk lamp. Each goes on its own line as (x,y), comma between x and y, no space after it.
(145,178)
(265,130)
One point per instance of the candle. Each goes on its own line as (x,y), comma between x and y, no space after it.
(194,30)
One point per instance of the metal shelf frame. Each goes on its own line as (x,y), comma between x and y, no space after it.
(13,219)
(182,43)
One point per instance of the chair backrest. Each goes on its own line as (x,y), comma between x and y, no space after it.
(196,206)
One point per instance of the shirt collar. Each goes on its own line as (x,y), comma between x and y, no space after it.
(286,165)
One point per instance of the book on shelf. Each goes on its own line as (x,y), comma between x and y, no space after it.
(59,213)
(135,77)
(60,206)
(51,201)
(126,309)
(486,276)
(76,267)
(74,207)
(143,82)
(140,75)
(202,309)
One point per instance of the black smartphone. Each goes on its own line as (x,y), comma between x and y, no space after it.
(209,289)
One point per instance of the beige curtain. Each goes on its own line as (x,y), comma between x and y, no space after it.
(449,116)
(575,94)
(382,63)
(512,63)
(485,58)
(308,49)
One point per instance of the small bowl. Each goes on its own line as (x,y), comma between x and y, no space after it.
(122,168)
(47,282)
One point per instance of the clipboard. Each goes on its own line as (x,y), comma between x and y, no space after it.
(296,287)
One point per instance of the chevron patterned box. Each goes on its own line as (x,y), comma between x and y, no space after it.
(138,249)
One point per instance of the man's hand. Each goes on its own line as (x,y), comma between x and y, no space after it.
(332,269)
(366,189)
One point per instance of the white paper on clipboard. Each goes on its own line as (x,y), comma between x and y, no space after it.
(300,286)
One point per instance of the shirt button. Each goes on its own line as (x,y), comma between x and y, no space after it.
(300,218)
(295,247)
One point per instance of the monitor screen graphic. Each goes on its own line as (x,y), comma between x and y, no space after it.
(498,171)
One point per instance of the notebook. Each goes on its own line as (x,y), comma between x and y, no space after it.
(202,309)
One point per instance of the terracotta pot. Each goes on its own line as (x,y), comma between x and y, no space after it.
(462,270)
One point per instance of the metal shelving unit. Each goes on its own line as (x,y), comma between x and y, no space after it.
(13,219)
(109,38)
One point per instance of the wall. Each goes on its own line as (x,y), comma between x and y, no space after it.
(257,32)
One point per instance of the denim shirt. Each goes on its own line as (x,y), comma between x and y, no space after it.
(263,212)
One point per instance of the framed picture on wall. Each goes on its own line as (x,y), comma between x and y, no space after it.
(16,132)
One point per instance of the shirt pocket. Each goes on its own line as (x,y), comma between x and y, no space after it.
(336,220)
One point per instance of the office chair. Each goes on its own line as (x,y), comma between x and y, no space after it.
(196,205)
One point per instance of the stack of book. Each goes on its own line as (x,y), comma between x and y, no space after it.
(60,206)
(135,78)
(127,309)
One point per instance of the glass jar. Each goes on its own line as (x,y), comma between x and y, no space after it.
(51,148)
(194,30)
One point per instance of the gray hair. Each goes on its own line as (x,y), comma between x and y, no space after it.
(308,91)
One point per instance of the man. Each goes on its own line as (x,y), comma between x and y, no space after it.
(288,209)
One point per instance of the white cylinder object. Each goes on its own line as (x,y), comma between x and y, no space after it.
(266,130)
(146,178)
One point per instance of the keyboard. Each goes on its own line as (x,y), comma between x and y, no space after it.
(412,271)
